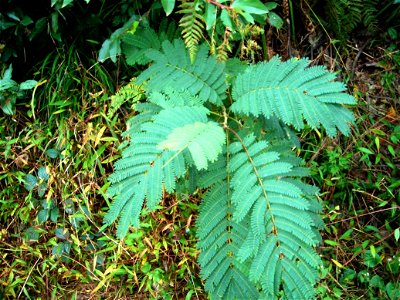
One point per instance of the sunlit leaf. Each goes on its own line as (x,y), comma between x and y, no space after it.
(397,234)
(226,20)
(27,85)
(210,15)
(275,20)
(104,52)
(250,6)
(168,6)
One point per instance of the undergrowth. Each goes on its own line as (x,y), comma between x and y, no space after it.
(57,153)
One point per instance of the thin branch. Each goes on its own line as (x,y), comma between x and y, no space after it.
(220,5)
(366,214)
(259,178)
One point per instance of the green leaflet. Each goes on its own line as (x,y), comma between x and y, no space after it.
(168,6)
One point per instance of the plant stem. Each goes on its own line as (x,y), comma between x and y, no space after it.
(220,5)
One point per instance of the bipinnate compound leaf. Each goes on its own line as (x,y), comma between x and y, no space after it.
(136,44)
(219,239)
(258,223)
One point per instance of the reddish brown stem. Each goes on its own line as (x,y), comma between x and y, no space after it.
(220,5)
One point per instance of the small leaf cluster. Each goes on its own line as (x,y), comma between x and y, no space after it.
(10,91)
(40,181)
(250,11)
(200,19)
(48,211)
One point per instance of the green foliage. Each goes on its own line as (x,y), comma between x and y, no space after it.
(39,181)
(342,17)
(360,177)
(173,68)
(111,47)
(54,246)
(136,43)
(10,91)
(48,211)
(149,159)
(22,26)
(201,20)
(291,92)
(129,92)
(259,223)
(192,23)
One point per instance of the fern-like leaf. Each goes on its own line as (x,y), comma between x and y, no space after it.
(146,169)
(135,45)
(370,15)
(192,24)
(130,92)
(343,16)
(219,240)
(292,92)
(173,68)
(261,219)
(280,218)
(258,223)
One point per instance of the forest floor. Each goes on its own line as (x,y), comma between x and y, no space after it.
(53,244)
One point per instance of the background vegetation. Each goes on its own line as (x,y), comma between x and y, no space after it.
(60,131)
